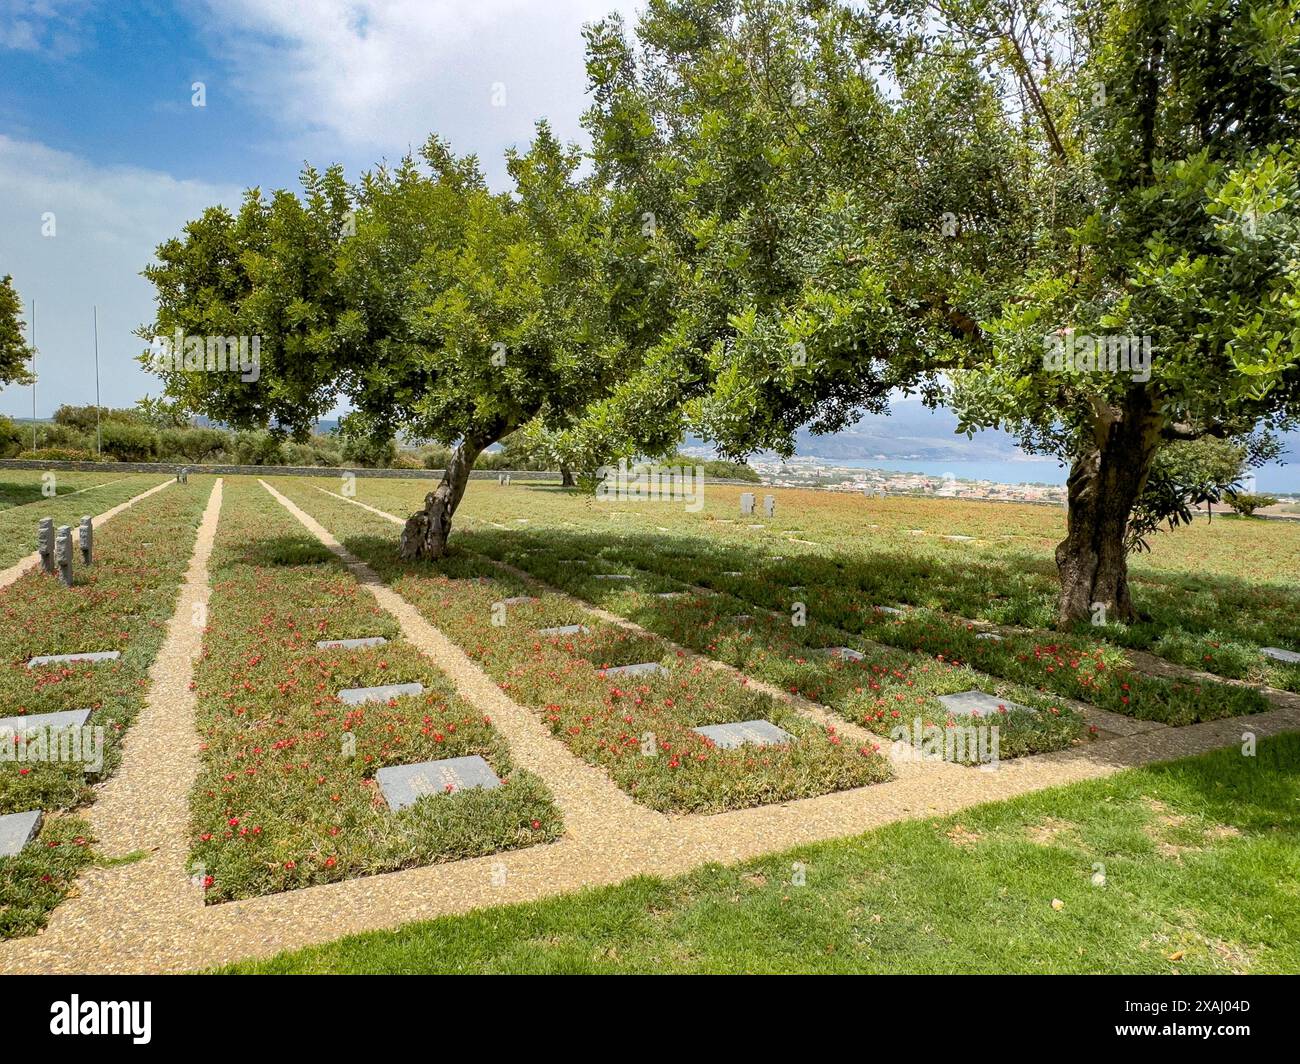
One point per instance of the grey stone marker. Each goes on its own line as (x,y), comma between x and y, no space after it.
(612,576)
(845,653)
(769,505)
(967,702)
(351,644)
(45,543)
(746,503)
(754,732)
(960,539)
(86,540)
(733,572)
(501,479)
(17,830)
(356,696)
(63,554)
(59,659)
(517,600)
(642,668)
(741,618)
(404,785)
(565,629)
(888,609)
(1290,657)
(670,594)
(68,718)
(989,635)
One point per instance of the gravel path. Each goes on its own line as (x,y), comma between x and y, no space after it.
(146,917)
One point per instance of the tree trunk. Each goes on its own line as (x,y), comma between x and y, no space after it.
(425,534)
(566,477)
(1102,488)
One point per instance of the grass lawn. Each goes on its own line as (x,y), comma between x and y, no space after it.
(1213,593)
(1201,859)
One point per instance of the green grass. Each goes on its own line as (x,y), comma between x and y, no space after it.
(1201,868)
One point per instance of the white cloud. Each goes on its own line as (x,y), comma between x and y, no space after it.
(108,221)
(52,26)
(376,78)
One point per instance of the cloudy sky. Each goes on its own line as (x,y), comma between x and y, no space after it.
(103,154)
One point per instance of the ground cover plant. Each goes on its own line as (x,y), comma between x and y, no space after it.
(639,729)
(1183,867)
(286,796)
(19,487)
(18,523)
(122,602)
(840,584)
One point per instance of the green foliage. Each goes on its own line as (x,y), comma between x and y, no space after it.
(256,448)
(14,352)
(11,437)
(129,442)
(1246,503)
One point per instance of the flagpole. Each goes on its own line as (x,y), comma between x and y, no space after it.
(99,435)
(33,339)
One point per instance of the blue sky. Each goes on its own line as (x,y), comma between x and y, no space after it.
(103,154)
(99,135)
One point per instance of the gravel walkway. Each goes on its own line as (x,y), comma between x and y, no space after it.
(145,916)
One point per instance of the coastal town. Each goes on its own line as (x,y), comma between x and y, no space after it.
(815,473)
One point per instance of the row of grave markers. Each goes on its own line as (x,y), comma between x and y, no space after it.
(55,548)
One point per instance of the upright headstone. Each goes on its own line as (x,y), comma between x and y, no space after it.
(45,543)
(747,503)
(86,535)
(63,554)
(17,830)
(769,505)
(501,479)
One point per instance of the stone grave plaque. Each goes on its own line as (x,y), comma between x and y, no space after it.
(17,830)
(517,600)
(741,618)
(844,653)
(351,644)
(613,576)
(747,503)
(356,696)
(1290,657)
(888,609)
(754,732)
(769,505)
(989,635)
(59,659)
(565,629)
(69,718)
(670,594)
(960,539)
(404,785)
(758,526)
(642,668)
(966,702)
(733,572)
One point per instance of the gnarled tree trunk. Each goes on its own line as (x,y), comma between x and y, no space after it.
(1103,487)
(566,477)
(426,532)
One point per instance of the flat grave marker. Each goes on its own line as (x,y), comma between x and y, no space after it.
(754,732)
(989,635)
(17,830)
(565,629)
(965,703)
(68,718)
(888,609)
(960,539)
(351,644)
(517,600)
(356,696)
(844,653)
(94,656)
(1290,657)
(641,668)
(613,576)
(404,785)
